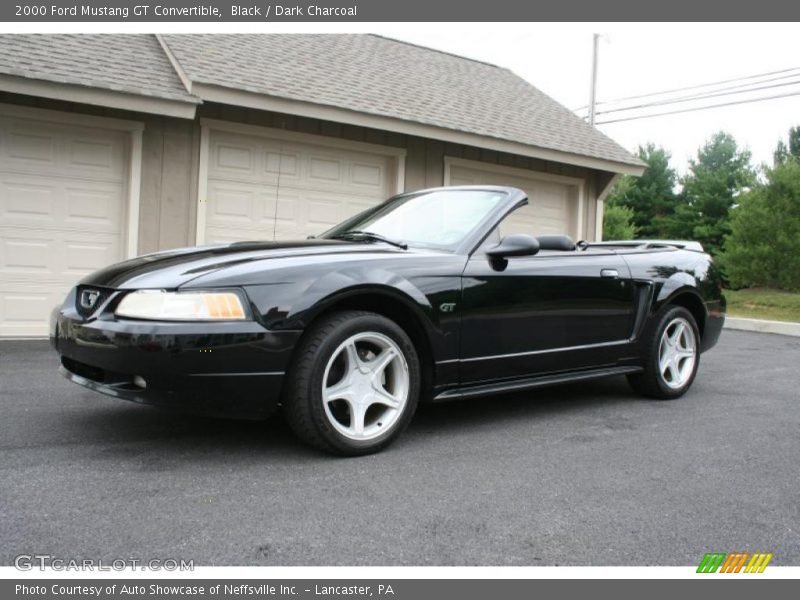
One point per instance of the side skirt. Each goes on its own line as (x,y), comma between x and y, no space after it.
(487,389)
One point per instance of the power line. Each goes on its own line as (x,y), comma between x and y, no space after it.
(697,108)
(716,94)
(699,86)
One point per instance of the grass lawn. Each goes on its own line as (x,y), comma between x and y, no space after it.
(764,304)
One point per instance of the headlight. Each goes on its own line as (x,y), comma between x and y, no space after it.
(181,306)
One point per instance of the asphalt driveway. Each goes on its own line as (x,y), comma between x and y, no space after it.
(585,474)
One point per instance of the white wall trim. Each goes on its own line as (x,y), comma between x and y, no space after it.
(97,97)
(134,128)
(400,186)
(202,184)
(134,192)
(600,207)
(577,182)
(224,95)
(209,125)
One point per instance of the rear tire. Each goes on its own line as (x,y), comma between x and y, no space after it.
(354,384)
(671,354)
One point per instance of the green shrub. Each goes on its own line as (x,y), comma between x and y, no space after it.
(763,248)
(618,223)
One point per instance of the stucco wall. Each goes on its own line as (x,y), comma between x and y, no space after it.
(171,149)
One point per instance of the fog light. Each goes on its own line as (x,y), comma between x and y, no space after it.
(139,381)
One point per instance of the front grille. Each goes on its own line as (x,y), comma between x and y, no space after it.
(89,299)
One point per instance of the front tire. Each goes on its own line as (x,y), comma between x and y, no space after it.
(354,385)
(671,355)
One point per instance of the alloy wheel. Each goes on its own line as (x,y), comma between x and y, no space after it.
(365,386)
(677,353)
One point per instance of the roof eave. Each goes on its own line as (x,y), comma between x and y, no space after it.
(235,97)
(98,97)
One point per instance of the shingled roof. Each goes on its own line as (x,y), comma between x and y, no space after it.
(366,74)
(381,76)
(132,64)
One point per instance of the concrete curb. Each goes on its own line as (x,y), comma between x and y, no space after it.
(763,326)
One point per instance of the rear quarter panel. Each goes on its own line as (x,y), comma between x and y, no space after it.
(673,272)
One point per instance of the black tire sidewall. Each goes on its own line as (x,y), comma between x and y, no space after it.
(313,388)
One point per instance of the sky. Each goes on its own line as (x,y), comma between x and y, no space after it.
(637,59)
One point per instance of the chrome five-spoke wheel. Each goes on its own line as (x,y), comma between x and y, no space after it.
(677,353)
(670,355)
(355,383)
(365,386)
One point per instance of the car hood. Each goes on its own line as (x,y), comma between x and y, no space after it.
(171,269)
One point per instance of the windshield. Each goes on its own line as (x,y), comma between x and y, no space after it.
(440,219)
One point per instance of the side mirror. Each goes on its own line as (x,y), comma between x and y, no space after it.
(518,244)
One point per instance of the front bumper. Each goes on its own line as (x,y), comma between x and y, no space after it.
(233,369)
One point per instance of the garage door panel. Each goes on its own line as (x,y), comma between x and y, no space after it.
(323,213)
(84,254)
(34,147)
(227,235)
(60,202)
(94,207)
(93,154)
(25,147)
(62,214)
(552,207)
(327,170)
(369,176)
(314,186)
(236,158)
(63,256)
(25,308)
(233,202)
(24,256)
(23,202)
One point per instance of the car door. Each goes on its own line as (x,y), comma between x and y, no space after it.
(554,311)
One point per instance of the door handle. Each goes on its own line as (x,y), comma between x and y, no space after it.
(610,273)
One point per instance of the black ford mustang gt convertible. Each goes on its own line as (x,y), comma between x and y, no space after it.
(418,299)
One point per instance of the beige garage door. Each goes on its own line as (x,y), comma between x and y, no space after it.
(553,204)
(261,187)
(62,191)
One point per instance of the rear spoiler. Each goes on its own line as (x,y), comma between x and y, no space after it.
(646,244)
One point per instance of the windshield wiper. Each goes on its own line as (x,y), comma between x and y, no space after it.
(359,234)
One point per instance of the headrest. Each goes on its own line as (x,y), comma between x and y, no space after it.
(555,242)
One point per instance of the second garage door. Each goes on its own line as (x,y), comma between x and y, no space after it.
(262,186)
(62,213)
(554,201)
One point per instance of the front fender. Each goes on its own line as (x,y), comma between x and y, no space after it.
(339,285)
(294,305)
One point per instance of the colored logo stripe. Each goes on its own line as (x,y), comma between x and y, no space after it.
(711,562)
(758,563)
(734,562)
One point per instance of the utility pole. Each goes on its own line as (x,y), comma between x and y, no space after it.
(593,85)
